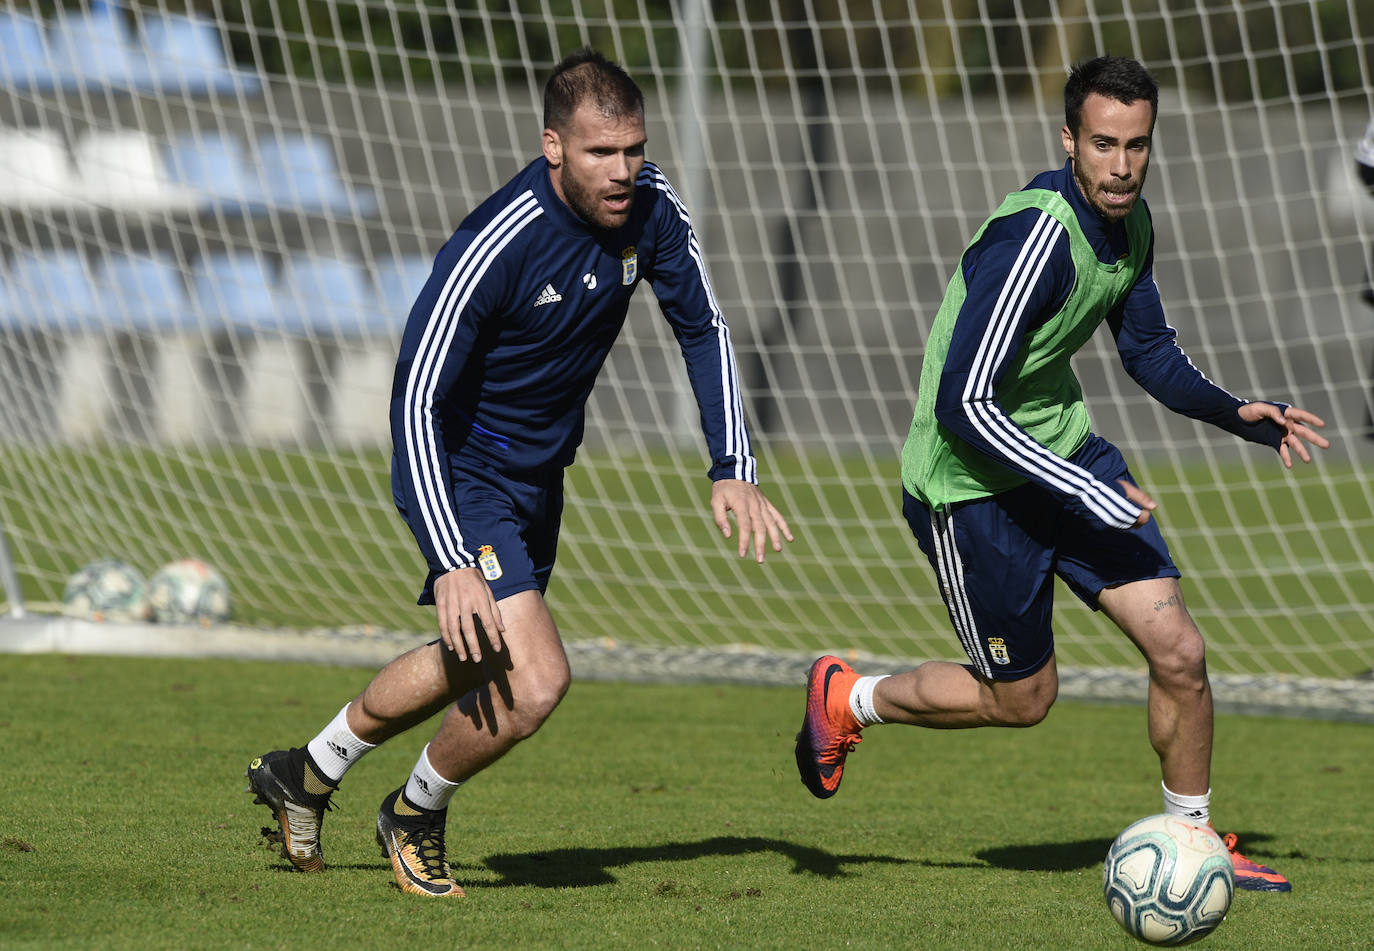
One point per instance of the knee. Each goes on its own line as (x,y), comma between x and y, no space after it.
(1181,661)
(535,701)
(1024,703)
(1023,712)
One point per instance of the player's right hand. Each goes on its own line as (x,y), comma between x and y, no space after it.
(466,609)
(1140,497)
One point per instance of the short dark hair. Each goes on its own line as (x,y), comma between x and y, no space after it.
(587,76)
(1115,77)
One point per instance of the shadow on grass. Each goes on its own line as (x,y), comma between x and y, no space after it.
(1047,856)
(1087,853)
(583,867)
(575,868)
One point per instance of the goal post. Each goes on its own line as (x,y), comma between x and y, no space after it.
(214,217)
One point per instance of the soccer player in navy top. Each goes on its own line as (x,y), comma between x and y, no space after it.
(496,364)
(1005,485)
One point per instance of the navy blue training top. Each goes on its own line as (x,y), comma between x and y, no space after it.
(507,337)
(1009,263)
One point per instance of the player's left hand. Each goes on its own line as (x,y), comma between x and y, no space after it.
(755,515)
(1296,423)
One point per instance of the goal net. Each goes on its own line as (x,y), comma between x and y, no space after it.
(214,218)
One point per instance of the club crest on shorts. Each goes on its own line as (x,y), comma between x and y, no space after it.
(488,562)
(997,647)
(629,265)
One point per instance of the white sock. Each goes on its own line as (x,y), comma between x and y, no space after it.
(336,748)
(426,789)
(1194,808)
(861,700)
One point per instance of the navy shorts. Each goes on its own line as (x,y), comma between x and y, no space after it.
(516,518)
(996,557)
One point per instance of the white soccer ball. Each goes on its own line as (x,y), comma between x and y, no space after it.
(106,590)
(1167,880)
(188,592)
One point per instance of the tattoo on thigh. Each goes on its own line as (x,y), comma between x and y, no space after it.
(1169,602)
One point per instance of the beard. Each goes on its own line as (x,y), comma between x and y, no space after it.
(587,205)
(1091,191)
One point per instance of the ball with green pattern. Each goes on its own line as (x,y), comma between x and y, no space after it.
(106,590)
(188,591)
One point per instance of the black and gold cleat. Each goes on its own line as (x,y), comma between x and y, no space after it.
(284,781)
(414,841)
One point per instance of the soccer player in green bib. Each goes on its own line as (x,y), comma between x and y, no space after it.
(1005,484)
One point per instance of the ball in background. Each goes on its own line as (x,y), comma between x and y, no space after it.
(1168,881)
(106,590)
(188,591)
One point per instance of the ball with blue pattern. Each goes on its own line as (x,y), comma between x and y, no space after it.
(1168,881)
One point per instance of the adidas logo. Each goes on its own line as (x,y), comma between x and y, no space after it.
(547,296)
(338,750)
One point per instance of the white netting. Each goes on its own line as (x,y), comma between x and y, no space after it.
(214,217)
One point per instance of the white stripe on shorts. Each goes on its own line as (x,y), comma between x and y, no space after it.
(951,571)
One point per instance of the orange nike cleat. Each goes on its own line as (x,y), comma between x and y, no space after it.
(829,730)
(1252,876)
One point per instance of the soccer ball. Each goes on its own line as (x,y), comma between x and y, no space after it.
(1168,880)
(188,591)
(106,590)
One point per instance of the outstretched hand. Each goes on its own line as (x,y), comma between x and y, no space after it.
(755,515)
(1295,422)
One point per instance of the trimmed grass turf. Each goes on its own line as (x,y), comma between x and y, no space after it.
(641,816)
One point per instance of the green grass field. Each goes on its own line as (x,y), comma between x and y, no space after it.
(641,816)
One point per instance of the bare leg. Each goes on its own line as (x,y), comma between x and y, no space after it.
(1153,616)
(495,704)
(950,696)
